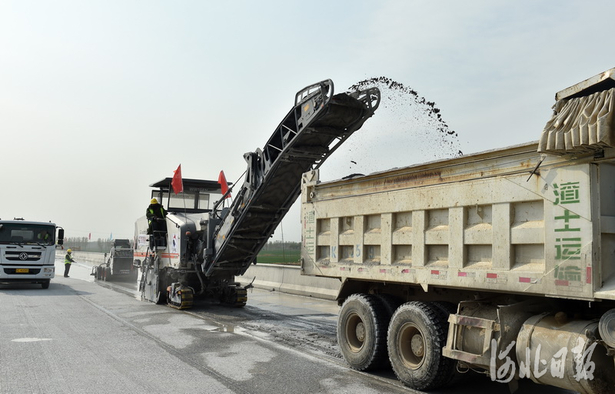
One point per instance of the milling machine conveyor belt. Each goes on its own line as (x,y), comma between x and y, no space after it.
(317,125)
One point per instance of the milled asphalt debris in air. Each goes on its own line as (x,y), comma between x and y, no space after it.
(425,117)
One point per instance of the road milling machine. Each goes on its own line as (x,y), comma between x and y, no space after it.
(205,241)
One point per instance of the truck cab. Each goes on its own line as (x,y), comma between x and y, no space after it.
(27,251)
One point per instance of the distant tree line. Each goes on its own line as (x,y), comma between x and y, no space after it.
(85,245)
(278,245)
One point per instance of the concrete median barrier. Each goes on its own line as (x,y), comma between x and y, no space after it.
(288,279)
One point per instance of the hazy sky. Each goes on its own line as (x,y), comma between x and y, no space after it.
(99,99)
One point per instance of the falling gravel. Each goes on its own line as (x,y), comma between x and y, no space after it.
(406,129)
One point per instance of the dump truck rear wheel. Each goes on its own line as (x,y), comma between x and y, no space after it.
(390,303)
(416,336)
(361,332)
(446,309)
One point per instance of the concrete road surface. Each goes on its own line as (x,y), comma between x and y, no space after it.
(81,336)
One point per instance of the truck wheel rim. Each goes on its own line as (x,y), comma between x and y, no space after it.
(355,332)
(411,346)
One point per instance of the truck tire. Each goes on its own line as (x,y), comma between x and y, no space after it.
(416,335)
(390,303)
(361,332)
(45,284)
(447,309)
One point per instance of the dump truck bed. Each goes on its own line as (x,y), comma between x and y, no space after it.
(509,220)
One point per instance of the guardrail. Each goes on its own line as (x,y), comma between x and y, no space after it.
(282,278)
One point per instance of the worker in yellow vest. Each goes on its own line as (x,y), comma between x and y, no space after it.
(68,260)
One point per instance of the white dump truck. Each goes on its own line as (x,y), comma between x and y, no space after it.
(501,262)
(27,251)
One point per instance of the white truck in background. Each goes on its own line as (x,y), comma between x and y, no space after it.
(118,263)
(501,262)
(27,251)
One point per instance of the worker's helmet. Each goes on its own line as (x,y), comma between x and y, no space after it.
(69,250)
(154,201)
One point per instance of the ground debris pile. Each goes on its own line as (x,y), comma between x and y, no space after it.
(297,334)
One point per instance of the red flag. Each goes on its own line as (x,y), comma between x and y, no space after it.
(176,183)
(223,184)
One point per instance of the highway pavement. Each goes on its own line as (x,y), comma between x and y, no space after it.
(81,336)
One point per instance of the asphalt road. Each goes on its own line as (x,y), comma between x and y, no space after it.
(82,336)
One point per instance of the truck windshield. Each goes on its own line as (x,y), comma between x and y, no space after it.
(24,233)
